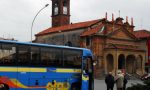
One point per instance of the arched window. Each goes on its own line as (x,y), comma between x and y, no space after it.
(65,7)
(68,43)
(56,9)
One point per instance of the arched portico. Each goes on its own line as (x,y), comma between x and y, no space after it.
(127,61)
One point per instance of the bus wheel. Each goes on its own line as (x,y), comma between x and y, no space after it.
(4,87)
(75,86)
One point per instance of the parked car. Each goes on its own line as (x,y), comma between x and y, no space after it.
(145,77)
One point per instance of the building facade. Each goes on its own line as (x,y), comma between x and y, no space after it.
(144,37)
(115,43)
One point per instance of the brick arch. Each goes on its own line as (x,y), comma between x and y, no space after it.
(139,60)
(131,64)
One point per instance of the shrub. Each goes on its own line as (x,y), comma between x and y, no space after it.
(145,86)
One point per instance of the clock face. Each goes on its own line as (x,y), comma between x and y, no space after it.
(64,10)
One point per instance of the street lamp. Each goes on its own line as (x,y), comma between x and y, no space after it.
(35,18)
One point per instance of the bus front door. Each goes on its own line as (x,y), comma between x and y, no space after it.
(87,75)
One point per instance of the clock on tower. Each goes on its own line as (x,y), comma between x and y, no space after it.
(60,12)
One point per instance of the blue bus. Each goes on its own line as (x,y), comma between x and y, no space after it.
(33,66)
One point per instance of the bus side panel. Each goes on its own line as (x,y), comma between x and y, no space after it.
(6,73)
(25,79)
(52,81)
(48,80)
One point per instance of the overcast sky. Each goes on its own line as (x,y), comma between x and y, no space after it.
(16,16)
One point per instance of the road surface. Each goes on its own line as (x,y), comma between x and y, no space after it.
(100,84)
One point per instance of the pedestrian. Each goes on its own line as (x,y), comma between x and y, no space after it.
(109,80)
(119,80)
(125,81)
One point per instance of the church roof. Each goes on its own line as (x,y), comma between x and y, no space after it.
(68,27)
(142,33)
(92,31)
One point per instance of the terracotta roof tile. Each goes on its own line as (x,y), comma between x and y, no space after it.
(92,31)
(142,33)
(68,27)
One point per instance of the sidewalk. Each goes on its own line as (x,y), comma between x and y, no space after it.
(100,84)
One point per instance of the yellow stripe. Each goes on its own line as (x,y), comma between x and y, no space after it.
(17,83)
(15,69)
(85,78)
(68,70)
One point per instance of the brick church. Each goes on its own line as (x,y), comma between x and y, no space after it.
(115,43)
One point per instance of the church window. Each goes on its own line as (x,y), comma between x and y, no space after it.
(56,8)
(68,43)
(87,41)
(65,7)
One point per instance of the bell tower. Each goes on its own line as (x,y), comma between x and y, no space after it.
(60,12)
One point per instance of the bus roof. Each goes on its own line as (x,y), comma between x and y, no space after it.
(86,52)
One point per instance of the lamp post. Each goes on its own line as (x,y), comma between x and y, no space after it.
(35,18)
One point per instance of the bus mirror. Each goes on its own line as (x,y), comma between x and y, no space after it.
(94,63)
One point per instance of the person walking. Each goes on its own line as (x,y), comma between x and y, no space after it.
(125,81)
(109,80)
(119,80)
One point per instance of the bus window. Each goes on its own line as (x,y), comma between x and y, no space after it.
(45,57)
(7,54)
(88,72)
(88,65)
(35,56)
(72,58)
(23,55)
(51,57)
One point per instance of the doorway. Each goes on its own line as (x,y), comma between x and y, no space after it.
(130,64)
(121,62)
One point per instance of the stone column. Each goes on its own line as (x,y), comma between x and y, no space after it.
(143,64)
(105,63)
(115,61)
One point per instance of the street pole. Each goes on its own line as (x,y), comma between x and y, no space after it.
(35,18)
